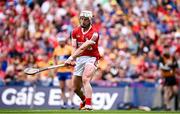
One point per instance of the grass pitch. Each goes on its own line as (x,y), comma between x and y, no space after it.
(29,111)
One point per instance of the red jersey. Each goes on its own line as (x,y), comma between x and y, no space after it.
(81,37)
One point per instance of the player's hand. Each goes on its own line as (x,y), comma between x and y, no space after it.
(69,62)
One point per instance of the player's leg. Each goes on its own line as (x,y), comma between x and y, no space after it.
(70,88)
(77,78)
(89,70)
(63,96)
(174,87)
(175,90)
(170,91)
(62,86)
(77,86)
(167,94)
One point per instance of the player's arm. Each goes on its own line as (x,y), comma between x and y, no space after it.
(74,45)
(54,58)
(83,47)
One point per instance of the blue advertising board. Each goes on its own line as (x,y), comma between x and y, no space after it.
(46,97)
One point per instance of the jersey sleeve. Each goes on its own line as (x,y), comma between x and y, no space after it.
(73,34)
(74,40)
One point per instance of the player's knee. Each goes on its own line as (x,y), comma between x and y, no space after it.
(85,80)
(75,88)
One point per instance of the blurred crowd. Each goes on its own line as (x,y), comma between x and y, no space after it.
(133,34)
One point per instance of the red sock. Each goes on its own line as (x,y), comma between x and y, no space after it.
(88,101)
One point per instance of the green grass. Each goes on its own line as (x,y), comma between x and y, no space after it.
(28,111)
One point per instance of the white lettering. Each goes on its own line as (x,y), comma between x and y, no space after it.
(26,96)
(103,100)
(11,92)
(39,98)
(30,95)
(98,101)
(21,98)
(54,97)
(110,100)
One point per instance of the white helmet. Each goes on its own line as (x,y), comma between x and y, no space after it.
(86,13)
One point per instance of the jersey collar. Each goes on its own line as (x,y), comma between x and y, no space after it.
(86,31)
